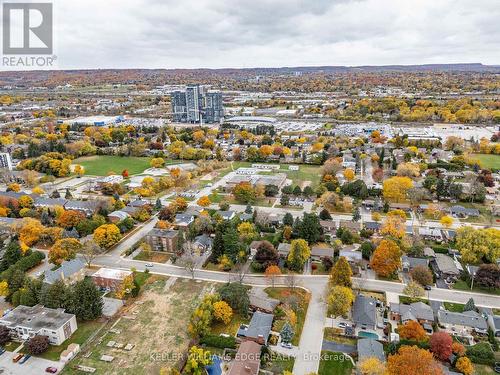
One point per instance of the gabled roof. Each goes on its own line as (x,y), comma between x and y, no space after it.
(364,311)
(370,348)
(446,264)
(468,319)
(260,326)
(284,248)
(67,269)
(418,310)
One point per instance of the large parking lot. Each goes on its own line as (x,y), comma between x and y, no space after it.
(33,366)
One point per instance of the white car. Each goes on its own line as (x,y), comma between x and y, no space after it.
(343,325)
(149,264)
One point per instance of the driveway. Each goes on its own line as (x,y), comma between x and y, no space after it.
(33,366)
(336,347)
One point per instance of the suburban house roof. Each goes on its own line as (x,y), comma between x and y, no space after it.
(247,359)
(67,269)
(446,264)
(121,215)
(47,202)
(468,319)
(414,311)
(429,252)
(138,203)
(226,215)
(410,262)
(284,248)
(372,225)
(364,311)
(260,300)
(112,273)
(322,251)
(370,348)
(183,219)
(203,240)
(259,327)
(461,210)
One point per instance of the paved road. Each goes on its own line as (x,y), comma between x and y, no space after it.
(335,347)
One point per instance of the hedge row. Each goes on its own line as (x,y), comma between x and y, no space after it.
(23,264)
(219,341)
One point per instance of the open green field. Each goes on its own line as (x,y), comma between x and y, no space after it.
(489,161)
(334,364)
(101,165)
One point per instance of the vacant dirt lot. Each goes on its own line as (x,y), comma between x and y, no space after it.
(156,324)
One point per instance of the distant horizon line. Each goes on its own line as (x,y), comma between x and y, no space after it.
(298,67)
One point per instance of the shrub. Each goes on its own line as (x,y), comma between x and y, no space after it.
(481,353)
(219,341)
(24,264)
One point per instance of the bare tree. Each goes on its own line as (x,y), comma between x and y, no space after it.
(90,250)
(291,280)
(240,272)
(189,265)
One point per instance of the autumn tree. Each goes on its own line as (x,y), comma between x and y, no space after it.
(371,366)
(476,245)
(272,272)
(204,201)
(386,258)
(70,218)
(413,360)
(349,174)
(90,250)
(38,344)
(421,275)
(396,188)
(299,254)
(107,235)
(341,273)
(247,231)
(223,312)
(446,221)
(198,359)
(340,300)
(464,365)
(440,344)
(413,290)
(244,193)
(412,330)
(64,249)
(458,349)
(157,162)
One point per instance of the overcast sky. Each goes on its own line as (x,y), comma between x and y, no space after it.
(259,33)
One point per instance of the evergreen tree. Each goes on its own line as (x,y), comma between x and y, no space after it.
(218,244)
(248,209)
(68,194)
(286,333)
(231,241)
(55,194)
(54,295)
(12,254)
(325,214)
(85,300)
(288,219)
(310,228)
(30,293)
(470,305)
(356,215)
(158,205)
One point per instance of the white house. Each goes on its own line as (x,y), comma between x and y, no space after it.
(26,322)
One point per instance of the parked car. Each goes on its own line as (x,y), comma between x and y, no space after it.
(149,264)
(51,370)
(24,359)
(343,325)
(16,358)
(427,287)
(286,345)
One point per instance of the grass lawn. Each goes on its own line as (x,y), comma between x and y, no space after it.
(408,300)
(100,165)
(483,370)
(302,298)
(330,334)
(84,331)
(334,364)
(305,173)
(153,256)
(280,364)
(462,285)
(489,161)
(231,328)
(455,307)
